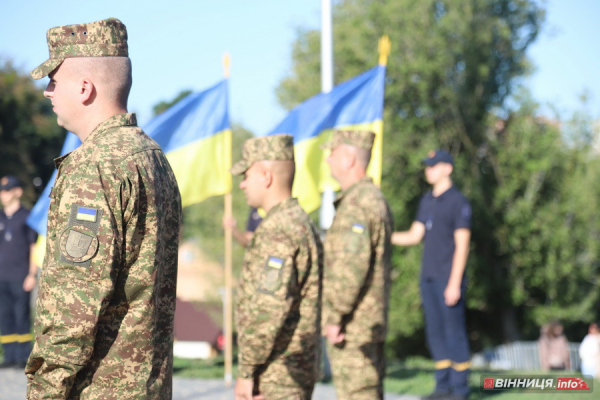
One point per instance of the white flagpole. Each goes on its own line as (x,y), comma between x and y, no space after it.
(327,210)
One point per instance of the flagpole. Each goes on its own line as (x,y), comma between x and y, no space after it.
(383,47)
(326,47)
(228,317)
(327,210)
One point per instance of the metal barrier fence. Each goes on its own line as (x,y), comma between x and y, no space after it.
(520,356)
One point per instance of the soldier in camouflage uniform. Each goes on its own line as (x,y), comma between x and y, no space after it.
(357,271)
(104,316)
(279,296)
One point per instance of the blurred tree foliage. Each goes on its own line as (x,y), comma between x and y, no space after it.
(165,105)
(203,222)
(29,137)
(452,66)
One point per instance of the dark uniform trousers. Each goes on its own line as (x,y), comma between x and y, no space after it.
(447,337)
(15,335)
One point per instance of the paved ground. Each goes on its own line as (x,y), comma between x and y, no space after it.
(12,387)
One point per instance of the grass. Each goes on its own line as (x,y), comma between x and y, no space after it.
(413,376)
(204,369)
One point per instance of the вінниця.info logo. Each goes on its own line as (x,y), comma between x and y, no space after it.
(537,383)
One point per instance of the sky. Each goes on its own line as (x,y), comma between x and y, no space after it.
(178,44)
(567,57)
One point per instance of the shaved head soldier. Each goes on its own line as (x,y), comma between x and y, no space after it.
(104,316)
(357,271)
(279,296)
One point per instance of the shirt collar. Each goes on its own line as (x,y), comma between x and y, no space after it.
(287,203)
(115,121)
(443,195)
(362,181)
(128,119)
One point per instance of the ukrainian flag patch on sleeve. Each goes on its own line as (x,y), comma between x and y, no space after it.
(86,214)
(274,262)
(358,228)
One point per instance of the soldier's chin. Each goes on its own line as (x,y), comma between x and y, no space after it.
(251,203)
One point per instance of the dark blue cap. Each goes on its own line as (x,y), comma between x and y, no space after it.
(436,156)
(9,182)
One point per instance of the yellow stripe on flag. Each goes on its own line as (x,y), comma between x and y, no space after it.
(202,168)
(39,251)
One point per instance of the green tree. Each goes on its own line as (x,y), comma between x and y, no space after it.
(451,68)
(537,262)
(545,200)
(163,106)
(29,136)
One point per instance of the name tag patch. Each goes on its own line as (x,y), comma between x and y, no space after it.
(86,214)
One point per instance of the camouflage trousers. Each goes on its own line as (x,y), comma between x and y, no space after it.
(358,370)
(278,392)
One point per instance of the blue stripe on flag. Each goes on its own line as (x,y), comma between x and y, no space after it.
(355,101)
(197,116)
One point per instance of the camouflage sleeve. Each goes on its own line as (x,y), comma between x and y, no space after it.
(83,259)
(347,263)
(274,294)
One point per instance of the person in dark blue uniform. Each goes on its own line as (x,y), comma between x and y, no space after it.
(18,275)
(444,223)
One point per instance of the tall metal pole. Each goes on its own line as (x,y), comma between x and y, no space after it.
(228,306)
(326,47)
(327,210)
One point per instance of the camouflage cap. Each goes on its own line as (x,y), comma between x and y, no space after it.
(265,148)
(360,139)
(106,38)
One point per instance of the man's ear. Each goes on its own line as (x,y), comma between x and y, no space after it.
(348,158)
(87,91)
(352,159)
(267,178)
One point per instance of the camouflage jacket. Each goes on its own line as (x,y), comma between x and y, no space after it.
(104,316)
(358,263)
(279,299)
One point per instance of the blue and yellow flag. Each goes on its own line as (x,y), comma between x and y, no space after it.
(354,104)
(196,137)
